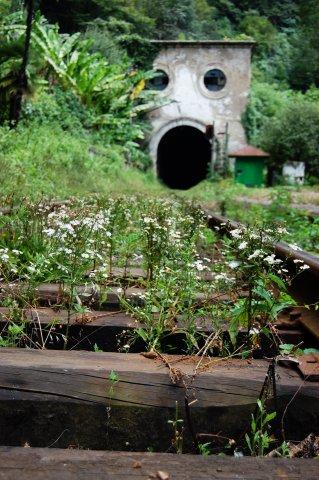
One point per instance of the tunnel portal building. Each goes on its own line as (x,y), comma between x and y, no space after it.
(206,85)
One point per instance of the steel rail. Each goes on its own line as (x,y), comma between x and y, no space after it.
(282,249)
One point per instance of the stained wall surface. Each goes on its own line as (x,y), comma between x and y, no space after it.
(190,102)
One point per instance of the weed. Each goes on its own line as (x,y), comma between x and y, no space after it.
(205,449)
(177,426)
(259,440)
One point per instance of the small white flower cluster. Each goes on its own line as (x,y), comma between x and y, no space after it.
(224,277)
(272,260)
(9,260)
(237,233)
(301,264)
(294,247)
(257,253)
(4,255)
(199,265)
(261,254)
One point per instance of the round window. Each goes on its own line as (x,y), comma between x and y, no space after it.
(214,80)
(159,81)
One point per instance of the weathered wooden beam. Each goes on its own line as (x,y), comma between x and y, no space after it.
(69,398)
(105,328)
(138,273)
(309,319)
(53,464)
(95,296)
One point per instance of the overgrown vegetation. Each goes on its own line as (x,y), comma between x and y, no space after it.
(73,128)
(82,243)
(89,62)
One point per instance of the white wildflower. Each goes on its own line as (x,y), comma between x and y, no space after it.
(282,230)
(49,232)
(304,267)
(254,331)
(234,264)
(255,254)
(294,247)
(270,259)
(242,245)
(236,233)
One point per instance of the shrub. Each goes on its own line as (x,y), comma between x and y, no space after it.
(57,106)
(265,102)
(293,135)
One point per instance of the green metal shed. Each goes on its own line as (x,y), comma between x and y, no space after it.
(249,166)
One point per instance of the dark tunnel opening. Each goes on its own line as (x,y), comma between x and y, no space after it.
(183,157)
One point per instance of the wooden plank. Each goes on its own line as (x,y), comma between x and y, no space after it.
(48,326)
(44,396)
(99,318)
(47,316)
(310,321)
(105,328)
(309,367)
(137,273)
(53,464)
(52,293)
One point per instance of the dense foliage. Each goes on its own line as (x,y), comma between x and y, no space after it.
(286,31)
(293,135)
(86,57)
(105,97)
(93,244)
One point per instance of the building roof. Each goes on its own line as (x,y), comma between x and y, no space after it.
(204,43)
(248,151)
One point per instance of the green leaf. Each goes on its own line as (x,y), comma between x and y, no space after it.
(269,417)
(245,354)
(248,442)
(113,376)
(96,348)
(142,333)
(278,281)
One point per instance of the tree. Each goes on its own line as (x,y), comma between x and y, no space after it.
(22,79)
(261,30)
(75,15)
(305,62)
(5,6)
(293,136)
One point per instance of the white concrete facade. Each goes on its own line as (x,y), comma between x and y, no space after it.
(190,102)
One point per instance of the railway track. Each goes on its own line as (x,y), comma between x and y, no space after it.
(304,286)
(52,396)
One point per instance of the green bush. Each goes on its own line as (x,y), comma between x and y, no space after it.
(265,102)
(293,135)
(59,106)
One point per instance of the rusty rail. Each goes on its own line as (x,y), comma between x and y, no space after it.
(305,286)
(282,249)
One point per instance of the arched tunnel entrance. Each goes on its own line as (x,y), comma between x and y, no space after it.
(183,157)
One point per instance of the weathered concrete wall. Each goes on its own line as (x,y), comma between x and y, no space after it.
(191,102)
